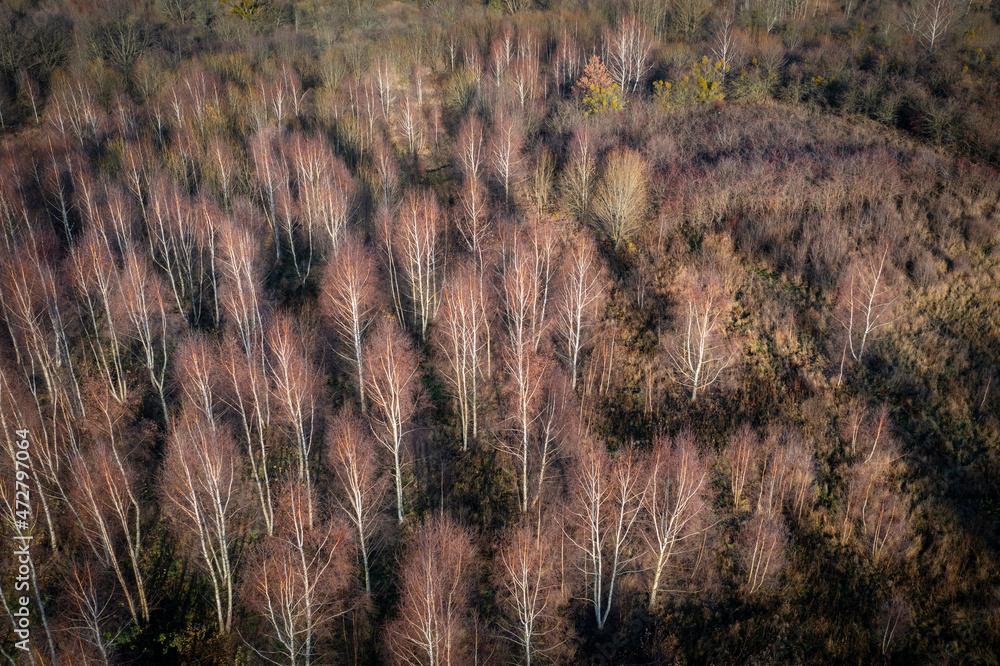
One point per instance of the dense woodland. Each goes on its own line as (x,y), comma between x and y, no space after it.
(534,331)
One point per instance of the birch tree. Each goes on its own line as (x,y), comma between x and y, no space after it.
(762,541)
(351,454)
(701,350)
(630,51)
(247,390)
(144,299)
(675,505)
(392,373)
(420,253)
(348,296)
(462,342)
(867,303)
(435,616)
(201,491)
(523,365)
(297,385)
(505,155)
(104,485)
(607,498)
(581,290)
(526,584)
(297,578)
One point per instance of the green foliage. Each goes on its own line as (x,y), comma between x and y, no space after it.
(702,86)
(245,9)
(599,92)
(599,100)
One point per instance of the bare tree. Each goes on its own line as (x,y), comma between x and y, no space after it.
(435,617)
(144,299)
(178,239)
(387,242)
(525,368)
(29,88)
(104,484)
(630,50)
(387,174)
(97,279)
(579,176)
(725,47)
(281,94)
(567,59)
(351,453)
(851,427)
(73,110)
(248,393)
(135,171)
(867,302)
(675,506)
(196,371)
(581,290)
(762,541)
(410,126)
(325,189)
(607,497)
(201,491)
(557,422)
(788,476)
(392,373)
(541,182)
(348,296)
(222,168)
(469,148)
(473,222)
(385,80)
(91,615)
(462,340)
(867,478)
(272,176)
(701,350)
(58,174)
(886,524)
(911,16)
(296,579)
(421,255)
(742,458)
(935,21)
(12,521)
(20,408)
(505,155)
(526,583)
(297,385)
(620,200)
(242,298)
(524,79)
(893,621)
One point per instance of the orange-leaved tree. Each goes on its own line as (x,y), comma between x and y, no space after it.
(598,90)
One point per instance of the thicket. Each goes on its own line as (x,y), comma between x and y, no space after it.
(569,332)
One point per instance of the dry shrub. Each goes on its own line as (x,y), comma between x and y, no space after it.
(981,229)
(620,204)
(923,268)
